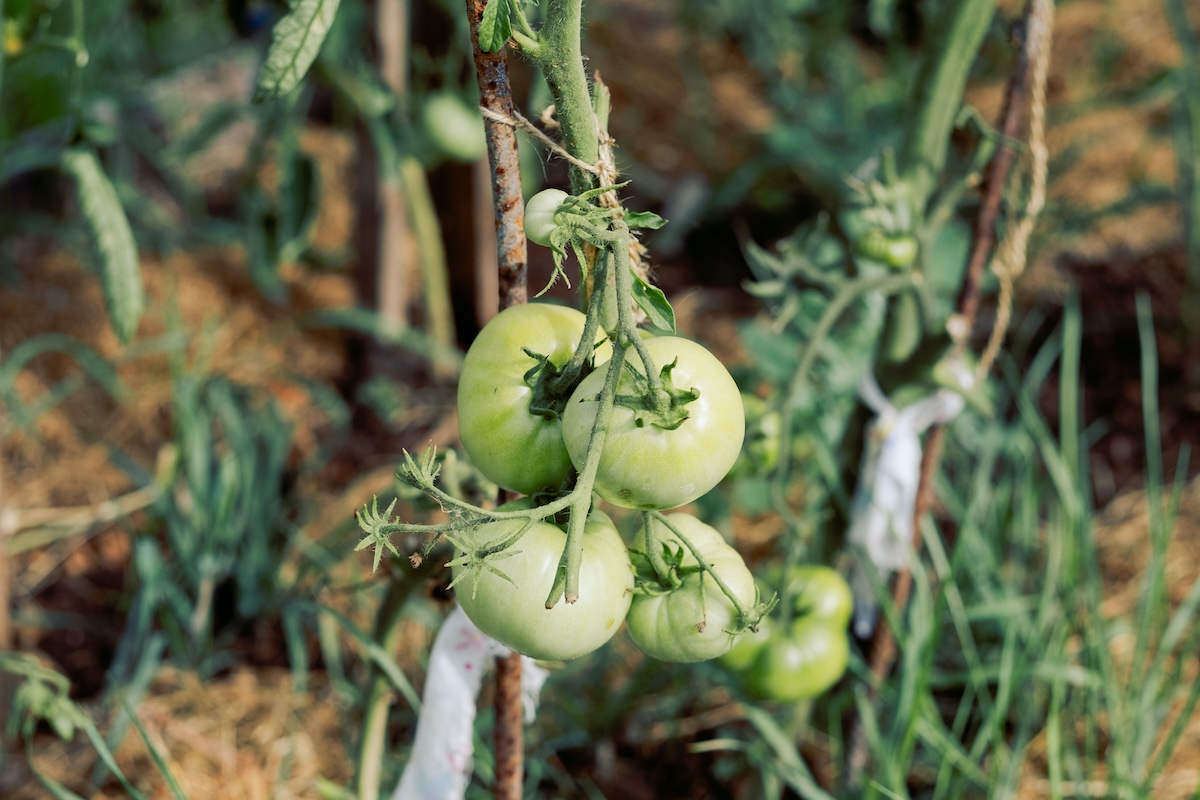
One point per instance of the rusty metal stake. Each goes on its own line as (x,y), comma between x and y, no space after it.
(495,94)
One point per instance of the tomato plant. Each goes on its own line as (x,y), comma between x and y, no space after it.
(661,458)
(504,593)
(539,215)
(509,424)
(693,620)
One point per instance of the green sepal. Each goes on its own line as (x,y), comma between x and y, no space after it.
(549,400)
(648,581)
(642,404)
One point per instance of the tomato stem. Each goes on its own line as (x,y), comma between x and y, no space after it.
(566,582)
(560,58)
(746,616)
(666,576)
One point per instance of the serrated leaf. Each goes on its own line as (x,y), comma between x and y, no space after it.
(110,231)
(495,28)
(651,300)
(644,219)
(295,42)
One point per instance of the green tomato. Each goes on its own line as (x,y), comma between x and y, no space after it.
(645,466)
(821,593)
(693,622)
(454,127)
(903,329)
(760,450)
(539,215)
(515,447)
(897,250)
(513,611)
(802,664)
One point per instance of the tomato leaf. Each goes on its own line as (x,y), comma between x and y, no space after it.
(295,42)
(644,219)
(651,300)
(110,231)
(495,28)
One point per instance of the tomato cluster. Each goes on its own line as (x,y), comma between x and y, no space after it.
(526,417)
(807,656)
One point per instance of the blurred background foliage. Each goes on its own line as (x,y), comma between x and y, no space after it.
(180,472)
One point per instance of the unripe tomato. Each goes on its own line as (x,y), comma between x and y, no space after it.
(802,664)
(514,447)
(539,215)
(645,466)
(693,622)
(820,592)
(807,657)
(454,127)
(513,611)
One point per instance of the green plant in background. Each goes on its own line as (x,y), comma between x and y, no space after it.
(42,695)
(1003,645)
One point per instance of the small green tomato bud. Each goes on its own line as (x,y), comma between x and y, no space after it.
(539,215)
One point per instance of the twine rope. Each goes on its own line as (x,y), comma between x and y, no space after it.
(1012,255)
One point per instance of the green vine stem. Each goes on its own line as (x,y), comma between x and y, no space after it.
(886,285)
(939,89)
(560,58)
(666,576)
(744,614)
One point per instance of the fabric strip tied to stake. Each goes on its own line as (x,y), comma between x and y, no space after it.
(881,514)
(439,766)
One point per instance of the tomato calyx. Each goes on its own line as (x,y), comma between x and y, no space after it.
(662,575)
(661,403)
(552,385)
(479,556)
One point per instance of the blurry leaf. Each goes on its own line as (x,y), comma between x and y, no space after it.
(791,766)
(216,120)
(644,219)
(91,362)
(159,762)
(299,197)
(652,300)
(36,149)
(378,655)
(370,323)
(371,97)
(105,218)
(295,42)
(495,28)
